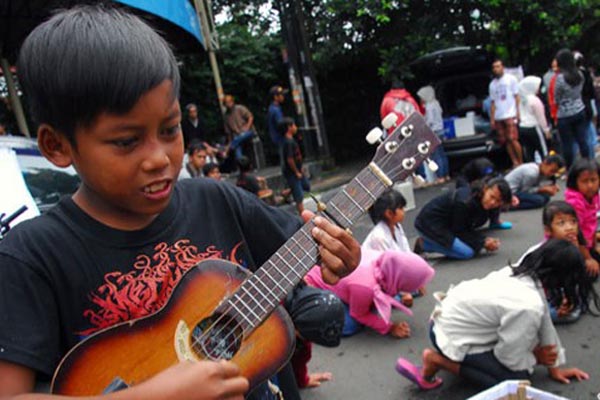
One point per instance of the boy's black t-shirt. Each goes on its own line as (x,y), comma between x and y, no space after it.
(64,275)
(289,149)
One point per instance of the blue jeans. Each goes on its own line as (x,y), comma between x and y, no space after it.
(592,138)
(574,129)
(236,143)
(441,159)
(298,186)
(351,326)
(459,250)
(528,201)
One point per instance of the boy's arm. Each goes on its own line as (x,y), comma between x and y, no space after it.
(187,380)
(292,164)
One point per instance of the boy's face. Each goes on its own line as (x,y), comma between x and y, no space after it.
(293,129)
(563,226)
(214,174)
(492,198)
(198,159)
(129,163)
(549,169)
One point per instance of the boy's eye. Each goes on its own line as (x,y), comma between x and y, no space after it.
(174,130)
(123,143)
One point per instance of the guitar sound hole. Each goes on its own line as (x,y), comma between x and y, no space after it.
(218,337)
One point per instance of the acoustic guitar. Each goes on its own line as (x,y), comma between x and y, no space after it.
(221,311)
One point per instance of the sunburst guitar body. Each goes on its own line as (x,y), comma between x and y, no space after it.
(136,350)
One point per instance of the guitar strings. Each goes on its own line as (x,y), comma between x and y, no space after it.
(240,298)
(196,341)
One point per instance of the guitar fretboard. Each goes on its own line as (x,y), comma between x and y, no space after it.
(395,159)
(262,292)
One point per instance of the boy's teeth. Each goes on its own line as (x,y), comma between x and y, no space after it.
(155,188)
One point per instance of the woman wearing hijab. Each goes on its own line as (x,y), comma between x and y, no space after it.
(533,126)
(369,291)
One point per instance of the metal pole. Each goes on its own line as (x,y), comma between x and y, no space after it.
(13,96)
(210,44)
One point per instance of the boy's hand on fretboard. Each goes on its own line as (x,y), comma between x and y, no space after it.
(339,251)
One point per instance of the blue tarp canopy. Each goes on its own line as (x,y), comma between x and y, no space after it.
(179,12)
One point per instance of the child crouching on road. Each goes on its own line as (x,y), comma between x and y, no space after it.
(499,327)
(369,291)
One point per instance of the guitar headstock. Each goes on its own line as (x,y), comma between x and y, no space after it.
(411,143)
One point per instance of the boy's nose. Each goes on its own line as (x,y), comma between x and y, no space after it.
(156,159)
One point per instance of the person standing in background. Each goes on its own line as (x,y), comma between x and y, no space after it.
(239,125)
(504,114)
(275,114)
(533,126)
(572,121)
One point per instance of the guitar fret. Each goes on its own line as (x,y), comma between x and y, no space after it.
(268,290)
(365,189)
(242,315)
(353,201)
(245,290)
(287,264)
(284,276)
(239,298)
(297,260)
(309,237)
(283,291)
(348,221)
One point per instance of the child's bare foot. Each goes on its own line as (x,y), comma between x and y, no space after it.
(315,379)
(400,330)
(430,367)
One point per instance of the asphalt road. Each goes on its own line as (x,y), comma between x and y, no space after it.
(363,365)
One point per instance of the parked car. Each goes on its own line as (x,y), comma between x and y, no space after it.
(461,77)
(46,182)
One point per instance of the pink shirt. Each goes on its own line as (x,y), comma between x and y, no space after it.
(586,213)
(369,290)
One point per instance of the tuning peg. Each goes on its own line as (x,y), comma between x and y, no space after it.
(432,165)
(389,121)
(418,180)
(374,136)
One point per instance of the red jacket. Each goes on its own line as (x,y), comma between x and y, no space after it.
(399,102)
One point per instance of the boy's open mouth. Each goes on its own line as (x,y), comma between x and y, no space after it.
(158,189)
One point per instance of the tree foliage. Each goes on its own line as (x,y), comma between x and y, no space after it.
(358,46)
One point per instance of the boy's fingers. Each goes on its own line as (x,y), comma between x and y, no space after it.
(333,263)
(336,232)
(235,387)
(229,369)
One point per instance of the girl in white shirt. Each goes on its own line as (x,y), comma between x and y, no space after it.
(387,214)
(499,327)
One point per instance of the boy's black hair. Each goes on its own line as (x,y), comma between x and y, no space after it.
(555,159)
(88,60)
(580,165)
(284,124)
(479,186)
(556,207)
(194,146)
(390,200)
(244,164)
(560,267)
(209,167)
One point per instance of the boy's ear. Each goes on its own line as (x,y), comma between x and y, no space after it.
(54,146)
(547,231)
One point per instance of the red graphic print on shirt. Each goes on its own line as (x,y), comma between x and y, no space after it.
(147,287)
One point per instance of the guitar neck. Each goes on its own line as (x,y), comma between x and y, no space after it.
(397,157)
(262,292)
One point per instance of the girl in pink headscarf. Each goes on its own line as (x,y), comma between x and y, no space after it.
(369,291)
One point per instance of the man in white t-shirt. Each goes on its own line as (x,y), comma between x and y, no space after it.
(504,115)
